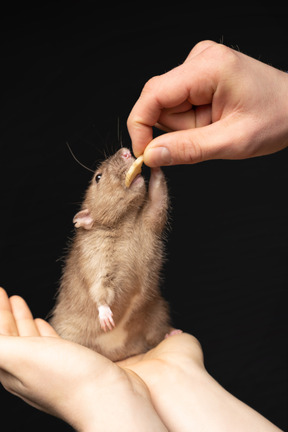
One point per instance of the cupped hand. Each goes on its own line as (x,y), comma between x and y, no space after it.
(81,386)
(67,380)
(164,389)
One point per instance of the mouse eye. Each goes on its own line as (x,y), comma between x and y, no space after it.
(98,177)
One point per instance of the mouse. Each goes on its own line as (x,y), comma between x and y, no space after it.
(109,298)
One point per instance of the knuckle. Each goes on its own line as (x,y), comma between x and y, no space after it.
(135,124)
(194,153)
(190,150)
(202,45)
(130,121)
(226,57)
(151,84)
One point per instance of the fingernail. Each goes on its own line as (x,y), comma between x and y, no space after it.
(157,156)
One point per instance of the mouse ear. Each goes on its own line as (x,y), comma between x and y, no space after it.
(83,219)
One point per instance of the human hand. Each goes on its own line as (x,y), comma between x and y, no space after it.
(167,388)
(40,367)
(67,380)
(219,104)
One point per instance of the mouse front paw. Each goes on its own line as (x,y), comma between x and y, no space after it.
(106,318)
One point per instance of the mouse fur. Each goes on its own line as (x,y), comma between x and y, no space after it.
(109,298)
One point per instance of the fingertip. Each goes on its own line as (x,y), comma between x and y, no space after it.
(20,308)
(3,294)
(16,299)
(157,156)
(8,325)
(173,148)
(140,140)
(138,146)
(140,132)
(44,328)
(136,152)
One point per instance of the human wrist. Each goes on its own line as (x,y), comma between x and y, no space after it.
(123,417)
(116,406)
(276,131)
(284,91)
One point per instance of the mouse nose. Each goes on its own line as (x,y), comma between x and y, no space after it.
(125,153)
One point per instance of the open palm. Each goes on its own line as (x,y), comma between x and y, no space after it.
(59,377)
(165,389)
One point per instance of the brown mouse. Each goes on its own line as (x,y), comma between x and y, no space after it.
(109,298)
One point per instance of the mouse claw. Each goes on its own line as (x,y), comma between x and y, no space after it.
(106,318)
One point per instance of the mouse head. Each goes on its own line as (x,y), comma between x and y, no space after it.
(107,198)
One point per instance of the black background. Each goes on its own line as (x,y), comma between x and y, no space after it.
(71,72)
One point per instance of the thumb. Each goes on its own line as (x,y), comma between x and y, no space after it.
(215,141)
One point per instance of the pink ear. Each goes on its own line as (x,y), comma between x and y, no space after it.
(83,219)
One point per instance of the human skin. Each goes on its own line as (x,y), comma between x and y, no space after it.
(218,104)
(40,367)
(167,388)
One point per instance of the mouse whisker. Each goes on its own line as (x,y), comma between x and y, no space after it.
(74,157)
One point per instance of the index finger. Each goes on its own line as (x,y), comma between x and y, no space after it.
(160,92)
(195,80)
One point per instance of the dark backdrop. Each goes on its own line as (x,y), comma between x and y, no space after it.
(71,72)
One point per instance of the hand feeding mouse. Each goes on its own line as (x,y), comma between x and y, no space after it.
(109,298)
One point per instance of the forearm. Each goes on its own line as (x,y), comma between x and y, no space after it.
(195,401)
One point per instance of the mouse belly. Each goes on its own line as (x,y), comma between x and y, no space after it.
(121,342)
(139,329)
(110,343)
(134,336)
